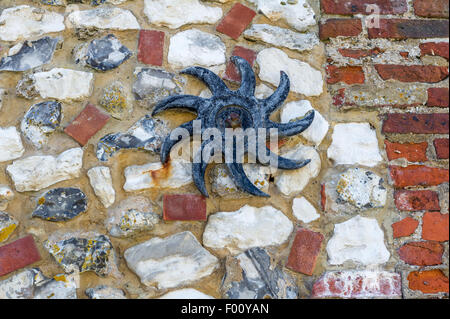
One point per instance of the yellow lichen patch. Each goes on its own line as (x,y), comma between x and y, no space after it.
(61,277)
(6,232)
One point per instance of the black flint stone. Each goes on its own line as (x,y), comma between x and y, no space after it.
(99,51)
(61,204)
(30,55)
(45,114)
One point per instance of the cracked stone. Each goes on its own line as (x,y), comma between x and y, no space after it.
(10,144)
(105,292)
(41,120)
(61,204)
(6,195)
(255,275)
(131,217)
(37,172)
(281,37)
(176,13)
(170,262)
(103,18)
(246,228)
(359,239)
(194,47)
(152,85)
(7,225)
(30,55)
(102,54)
(81,252)
(116,101)
(304,79)
(101,181)
(147,134)
(24,22)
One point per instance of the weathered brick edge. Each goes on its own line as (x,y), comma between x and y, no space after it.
(411,97)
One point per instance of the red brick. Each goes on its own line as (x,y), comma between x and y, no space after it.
(404,54)
(435,226)
(18,254)
(236,20)
(417,175)
(339,98)
(357,53)
(151,47)
(416,200)
(431,8)
(403,123)
(438,97)
(413,152)
(350,7)
(184,207)
(323,196)
(346,74)
(434,48)
(232,73)
(428,281)
(304,251)
(405,227)
(410,28)
(358,284)
(424,253)
(86,124)
(441,147)
(333,28)
(412,73)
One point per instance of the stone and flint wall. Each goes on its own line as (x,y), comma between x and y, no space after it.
(88,211)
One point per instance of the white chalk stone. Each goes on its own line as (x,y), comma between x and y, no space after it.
(262,91)
(246,228)
(195,47)
(303,210)
(24,22)
(176,13)
(291,182)
(170,262)
(37,172)
(103,18)
(105,292)
(101,182)
(6,195)
(281,37)
(354,143)
(304,79)
(64,84)
(10,144)
(187,293)
(318,129)
(359,239)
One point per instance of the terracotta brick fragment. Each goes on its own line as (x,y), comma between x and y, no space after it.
(434,48)
(350,7)
(184,207)
(431,8)
(333,28)
(18,254)
(405,227)
(304,252)
(412,73)
(416,200)
(410,29)
(231,72)
(346,74)
(428,281)
(417,175)
(412,152)
(438,97)
(358,53)
(441,146)
(425,253)
(435,226)
(403,123)
(236,21)
(151,47)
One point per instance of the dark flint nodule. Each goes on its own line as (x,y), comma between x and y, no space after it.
(107,53)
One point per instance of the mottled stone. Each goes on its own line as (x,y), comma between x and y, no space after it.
(146,134)
(7,225)
(131,216)
(246,228)
(303,210)
(255,275)
(186,293)
(30,54)
(102,54)
(24,22)
(101,181)
(354,143)
(152,85)
(223,185)
(80,252)
(195,47)
(103,18)
(304,79)
(291,182)
(6,195)
(176,13)
(105,292)
(36,172)
(41,120)
(170,262)
(21,285)
(59,287)
(10,144)
(358,239)
(61,204)
(281,37)
(116,101)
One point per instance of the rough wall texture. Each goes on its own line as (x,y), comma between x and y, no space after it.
(367,218)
